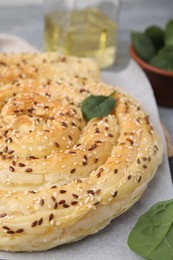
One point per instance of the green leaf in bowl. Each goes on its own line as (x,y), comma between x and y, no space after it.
(163,61)
(166,49)
(156,35)
(152,236)
(169,33)
(143,45)
(97,106)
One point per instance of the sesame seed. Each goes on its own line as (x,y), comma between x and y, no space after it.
(34,223)
(115,171)
(10,232)
(40,221)
(138,161)
(84,163)
(9,140)
(41,202)
(5,149)
(6,132)
(96,160)
(92,147)
(145,166)
(57,145)
(98,142)
(70,137)
(90,192)
(6,228)
(110,135)
(20,230)
(28,170)
(21,164)
(51,216)
(75,196)
(98,174)
(62,191)
(64,124)
(31,157)
(66,206)
(73,123)
(56,205)
(139,178)
(74,202)
(11,168)
(73,170)
(85,157)
(61,202)
(10,151)
(130,141)
(53,198)
(2,215)
(115,194)
(72,152)
(83,90)
(54,187)
(97,130)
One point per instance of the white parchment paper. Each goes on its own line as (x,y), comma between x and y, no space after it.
(111,242)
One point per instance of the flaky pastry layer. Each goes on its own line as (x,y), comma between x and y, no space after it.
(62,178)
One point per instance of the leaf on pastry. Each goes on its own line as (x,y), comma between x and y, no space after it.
(97,106)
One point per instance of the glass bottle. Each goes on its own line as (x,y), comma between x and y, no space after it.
(82,28)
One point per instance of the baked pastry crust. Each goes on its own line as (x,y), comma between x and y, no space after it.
(63,178)
(48,65)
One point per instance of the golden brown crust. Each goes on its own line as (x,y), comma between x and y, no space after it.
(61,177)
(48,65)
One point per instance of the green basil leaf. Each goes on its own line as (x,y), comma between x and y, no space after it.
(97,106)
(143,45)
(163,61)
(156,35)
(169,33)
(152,236)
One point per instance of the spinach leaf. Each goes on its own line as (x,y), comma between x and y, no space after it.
(166,49)
(163,61)
(97,106)
(169,33)
(156,35)
(143,45)
(152,236)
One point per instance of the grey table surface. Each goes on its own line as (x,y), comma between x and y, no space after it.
(26,21)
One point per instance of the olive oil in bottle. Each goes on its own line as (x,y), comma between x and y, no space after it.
(82,33)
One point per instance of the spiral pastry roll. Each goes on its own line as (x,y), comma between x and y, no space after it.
(47,65)
(61,177)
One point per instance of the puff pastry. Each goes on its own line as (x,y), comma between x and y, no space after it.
(45,65)
(62,178)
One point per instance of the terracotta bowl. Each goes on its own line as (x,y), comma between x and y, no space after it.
(161,80)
